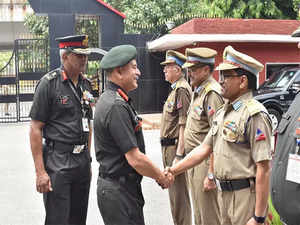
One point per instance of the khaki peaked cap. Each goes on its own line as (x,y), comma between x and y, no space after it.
(233,59)
(118,56)
(174,57)
(199,55)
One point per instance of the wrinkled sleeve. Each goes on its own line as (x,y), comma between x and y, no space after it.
(183,101)
(121,128)
(40,108)
(212,103)
(259,133)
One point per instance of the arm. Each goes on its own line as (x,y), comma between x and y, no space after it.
(43,183)
(212,102)
(143,165)
(262,187)
(180,145)
(195,157)
(262,190)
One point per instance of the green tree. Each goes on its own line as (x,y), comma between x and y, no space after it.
(264,9)
(147,16)
(37,25)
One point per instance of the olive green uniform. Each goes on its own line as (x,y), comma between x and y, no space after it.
(206,100)
(174,115)
(240,136)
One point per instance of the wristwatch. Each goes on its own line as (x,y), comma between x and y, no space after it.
(210,176)
(259,219)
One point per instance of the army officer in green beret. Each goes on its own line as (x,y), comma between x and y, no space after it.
(119,143)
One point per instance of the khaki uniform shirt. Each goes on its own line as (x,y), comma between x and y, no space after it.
(205,102)
(175,109)
(240,137)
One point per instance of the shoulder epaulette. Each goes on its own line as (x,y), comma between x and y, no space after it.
(52,74)
(218,110)
(254,107)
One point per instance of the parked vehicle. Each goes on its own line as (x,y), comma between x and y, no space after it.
(278,92)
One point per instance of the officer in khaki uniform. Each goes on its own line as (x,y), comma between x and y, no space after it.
(172,134)
(205,102)
(240,139)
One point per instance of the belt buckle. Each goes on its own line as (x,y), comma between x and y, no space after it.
(218,185)
(78,149)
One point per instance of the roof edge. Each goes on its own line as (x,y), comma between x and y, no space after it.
(175,41)
(112,9)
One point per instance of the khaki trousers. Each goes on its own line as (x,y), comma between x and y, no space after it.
(205,204)
(237,207)
(178,191)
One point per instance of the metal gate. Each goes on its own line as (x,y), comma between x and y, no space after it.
(28,63)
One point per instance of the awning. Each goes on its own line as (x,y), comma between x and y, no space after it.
(175,41)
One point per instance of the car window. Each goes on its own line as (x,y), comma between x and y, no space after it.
(297,79)
(280,79)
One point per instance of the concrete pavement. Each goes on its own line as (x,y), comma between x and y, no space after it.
(20,204)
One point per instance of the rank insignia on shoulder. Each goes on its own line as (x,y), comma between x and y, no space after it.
(260,136)
(51,75)
(210,111)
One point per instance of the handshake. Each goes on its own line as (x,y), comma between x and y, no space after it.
(166,179)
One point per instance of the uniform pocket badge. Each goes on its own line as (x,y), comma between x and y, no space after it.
(229,132)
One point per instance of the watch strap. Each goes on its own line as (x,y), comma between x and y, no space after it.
(259,219)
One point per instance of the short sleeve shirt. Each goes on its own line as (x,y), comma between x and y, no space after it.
(175,109)
(56,105)
(205,102)
(116,130)
(240,137)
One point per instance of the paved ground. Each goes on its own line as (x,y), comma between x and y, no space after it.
(20,204)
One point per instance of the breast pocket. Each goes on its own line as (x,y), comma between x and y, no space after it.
(195,124)
(169,111)
(230,131)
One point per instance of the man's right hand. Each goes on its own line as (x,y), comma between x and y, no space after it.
(166,180)
(43,183)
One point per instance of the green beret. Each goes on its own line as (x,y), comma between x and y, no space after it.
(118,56)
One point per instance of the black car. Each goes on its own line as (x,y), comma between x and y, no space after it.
(278,92)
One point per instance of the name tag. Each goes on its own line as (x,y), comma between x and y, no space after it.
(293,168)
(85,125)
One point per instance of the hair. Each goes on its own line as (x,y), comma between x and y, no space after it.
(62,52)
(252,80)
(108,72)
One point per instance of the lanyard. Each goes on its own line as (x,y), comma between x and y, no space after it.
(84,111)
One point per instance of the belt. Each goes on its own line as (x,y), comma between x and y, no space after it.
(168,141)
(233,185)
(74,148)
(123,179)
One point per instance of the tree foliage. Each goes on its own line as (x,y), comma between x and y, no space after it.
(37,25)
(150,16)
(157,12)
(264,9)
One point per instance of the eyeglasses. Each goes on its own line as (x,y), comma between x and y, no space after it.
(223,76)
